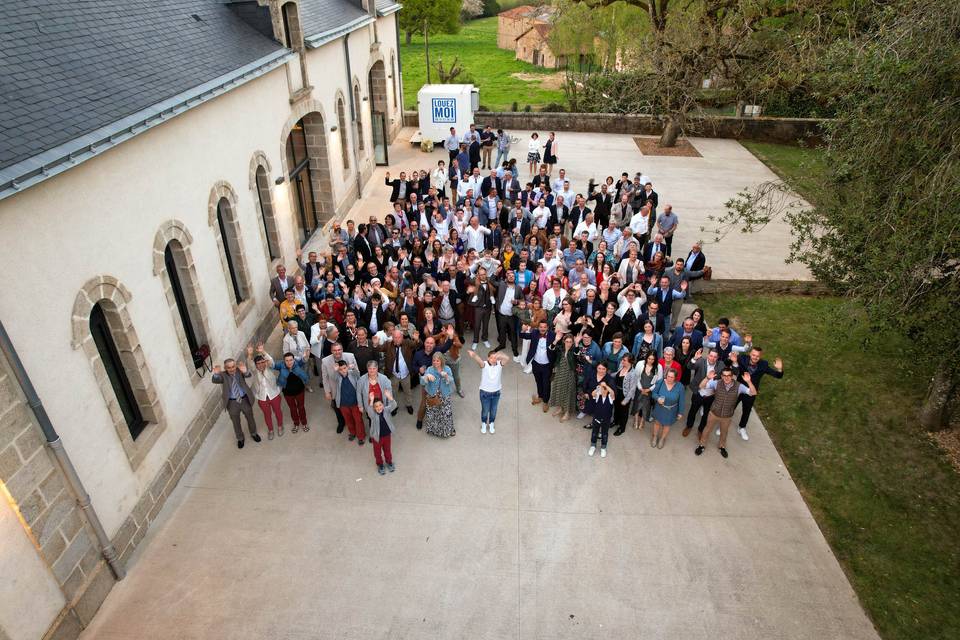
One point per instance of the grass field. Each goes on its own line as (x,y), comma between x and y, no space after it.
(484,65)
(884,496)
(793,164)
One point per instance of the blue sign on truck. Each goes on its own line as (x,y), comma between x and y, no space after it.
(444,109)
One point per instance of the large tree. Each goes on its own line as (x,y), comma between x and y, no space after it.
(885,228)
(429,16)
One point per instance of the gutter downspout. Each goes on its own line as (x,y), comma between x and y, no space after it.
(354,113)
(63,460)
(399,72)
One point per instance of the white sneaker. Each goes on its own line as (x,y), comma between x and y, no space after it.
(528,369)
(517,360)
(486,344)
(473,347)
(743,433)
(592,450)
(718,433)
(603,452)
(483,428)
(581,415)
(492,430)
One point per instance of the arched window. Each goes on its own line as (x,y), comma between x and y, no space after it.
(265,200)
(342,124)
(292,36)
(116,371)
(356,101)
(231,246)
(173,258)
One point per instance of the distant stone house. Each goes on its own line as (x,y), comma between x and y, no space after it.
(533,46)
(513,23)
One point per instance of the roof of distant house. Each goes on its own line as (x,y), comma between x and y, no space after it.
(542,29)
(545,11)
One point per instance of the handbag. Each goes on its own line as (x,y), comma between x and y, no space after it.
(707,273)
(433,401)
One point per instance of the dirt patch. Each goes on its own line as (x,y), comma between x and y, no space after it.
(949,441)
(648,146)
(553,81)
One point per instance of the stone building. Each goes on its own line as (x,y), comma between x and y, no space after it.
(158,160)
(513,23)
(533,46)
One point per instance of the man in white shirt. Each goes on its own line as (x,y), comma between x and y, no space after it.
(640,223)
(567,195)
(541,214)
(558,182)
(550,262)
(588,225)
(473,236)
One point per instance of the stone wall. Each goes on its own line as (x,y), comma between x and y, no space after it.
(780,130)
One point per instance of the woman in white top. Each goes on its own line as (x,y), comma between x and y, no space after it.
(438,179)
(265,388)
(491,382)
(533,152)
(297,343)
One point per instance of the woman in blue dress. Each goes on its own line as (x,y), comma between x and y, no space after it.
(438,384)
(667,407)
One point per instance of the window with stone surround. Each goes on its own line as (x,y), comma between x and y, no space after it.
(260,182)
(225,225)
(344,140)
(359,113)
(103,329)
(292,34)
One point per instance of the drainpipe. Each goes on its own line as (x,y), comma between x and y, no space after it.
(399,71)
(354,114)
(60,454)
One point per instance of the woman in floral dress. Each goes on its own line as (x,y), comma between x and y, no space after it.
(438,383)
(563,389)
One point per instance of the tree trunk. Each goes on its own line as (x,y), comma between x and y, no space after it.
(409,36)
(738,112)
(935,411)
(671,131)
(426,47)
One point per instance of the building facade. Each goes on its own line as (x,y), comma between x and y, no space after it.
(158,161)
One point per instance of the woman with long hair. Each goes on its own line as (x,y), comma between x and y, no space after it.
(649,374)
(667,407)
(625,384)
(438,385)
(563,388)
(563,321)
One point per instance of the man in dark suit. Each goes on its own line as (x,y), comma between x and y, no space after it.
(648,194)
(236,396)
(361,245)
(401,187)
(694,264)
(664,294)
(577,214)
(510,187)
(688,330)
(604,202)
(376,232)
(490,182)
(652,247)
(509,293)
(447,305)
(540,357)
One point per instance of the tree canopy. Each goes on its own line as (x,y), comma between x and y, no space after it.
(885,230)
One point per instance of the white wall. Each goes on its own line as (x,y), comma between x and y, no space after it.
(101,218)
(30,598)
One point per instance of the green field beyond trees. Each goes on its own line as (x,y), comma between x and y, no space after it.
(842,418)
(484,65)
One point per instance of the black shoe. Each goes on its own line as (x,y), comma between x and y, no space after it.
(588,426)
(409,409)
(394,412)
(352,437)
(360,442)
(239,444)
(256,437)
(699,450)
(618,432)
(340,429)
(419,424)
(724,453)
(516,354)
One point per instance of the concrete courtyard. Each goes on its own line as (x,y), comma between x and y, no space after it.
(696,187)
(518,535)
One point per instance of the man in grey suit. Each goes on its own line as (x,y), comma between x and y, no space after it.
(279,286)
(237,397)
(509,294)
(330,377)
(701,398)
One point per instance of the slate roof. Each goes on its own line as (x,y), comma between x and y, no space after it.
(71,66)
(321,16)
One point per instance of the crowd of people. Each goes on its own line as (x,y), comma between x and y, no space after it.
(583,289)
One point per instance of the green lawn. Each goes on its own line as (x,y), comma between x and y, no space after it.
(884,496)
(793,164)
(484,65)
